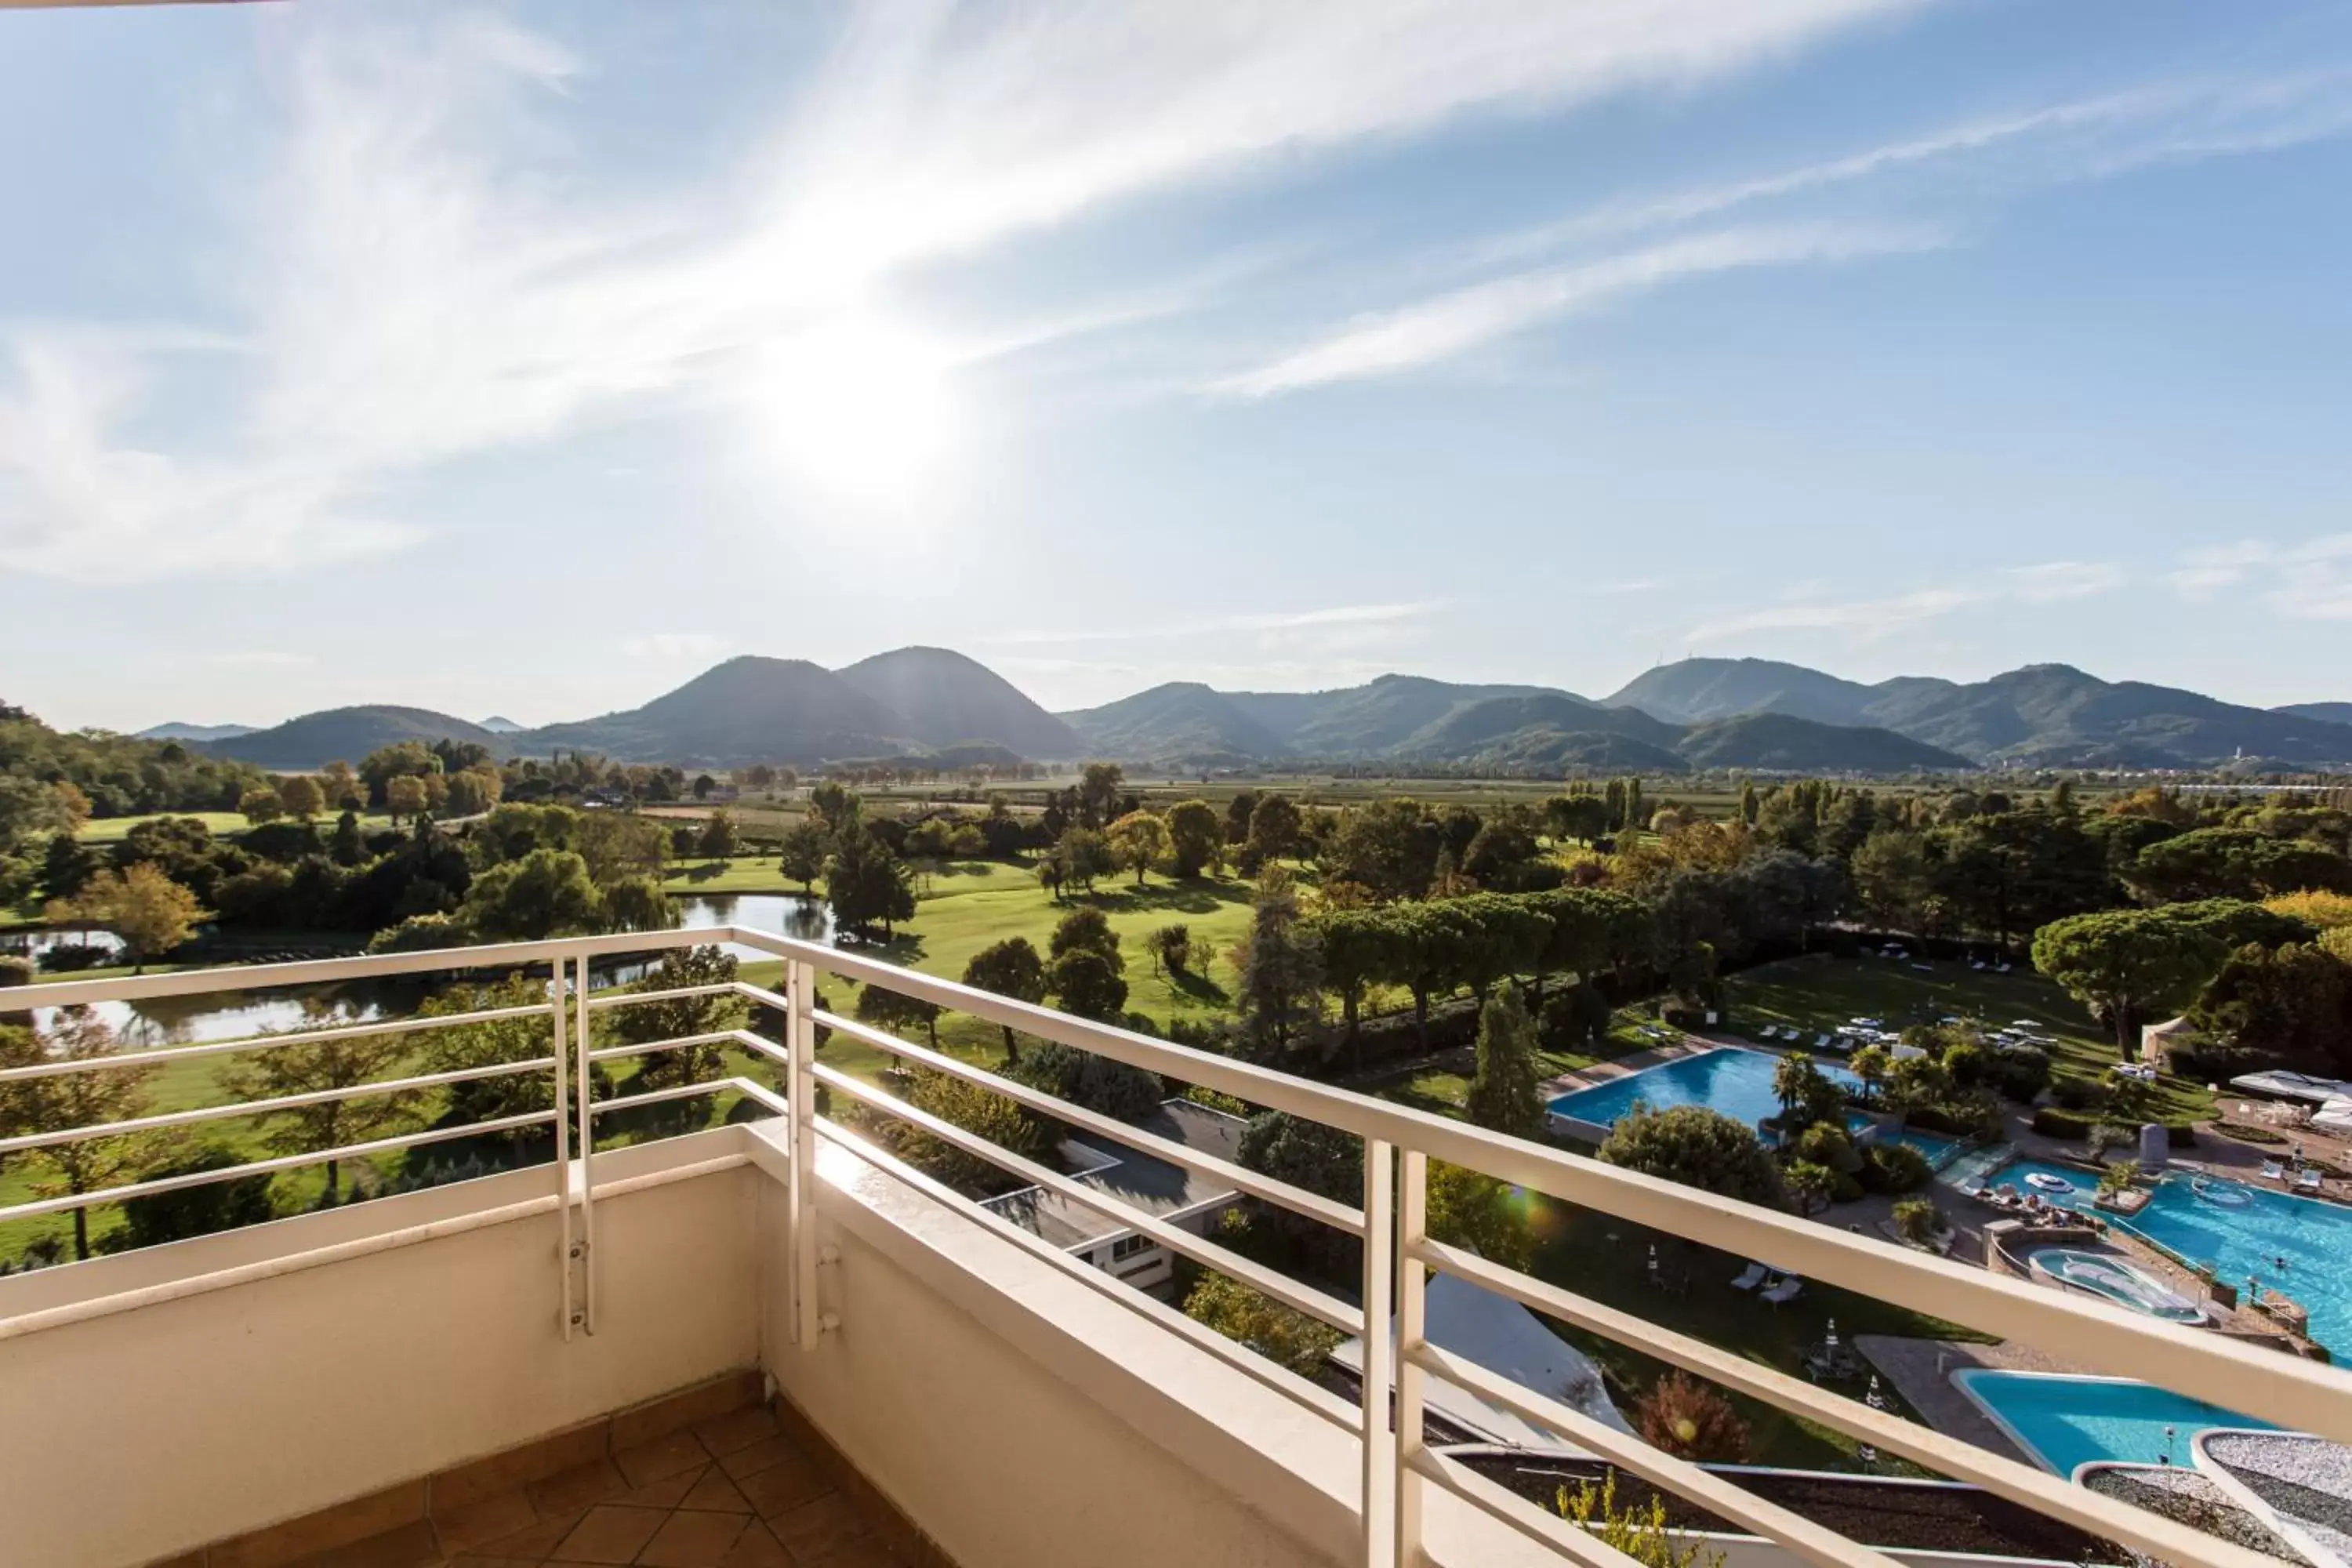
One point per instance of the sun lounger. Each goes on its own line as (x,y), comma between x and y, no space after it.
(1821,1042)
(1786,1291)
(1752,1276)
(2272,1171)
(2000,968)
(2307,1181)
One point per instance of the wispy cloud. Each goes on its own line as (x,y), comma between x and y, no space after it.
(1455,323)
(429,270)
(672,644)
(2309,580)
(2093,138)
(2047,582)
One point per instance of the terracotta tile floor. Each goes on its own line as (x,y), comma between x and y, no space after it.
(732,1493)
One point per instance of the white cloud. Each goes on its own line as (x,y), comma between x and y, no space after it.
(426,273)
(2046,583)
(2053,582)
(672,644)
(2304,582)
(1455,323)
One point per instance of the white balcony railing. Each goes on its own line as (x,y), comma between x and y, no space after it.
(1397,1466)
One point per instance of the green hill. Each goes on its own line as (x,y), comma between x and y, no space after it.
(348,734)
(1779,743)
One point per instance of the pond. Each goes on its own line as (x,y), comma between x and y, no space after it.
(228,1015)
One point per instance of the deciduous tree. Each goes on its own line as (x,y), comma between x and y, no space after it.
(1008,968)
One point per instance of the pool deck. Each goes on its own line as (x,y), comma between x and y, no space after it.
(1921,1371)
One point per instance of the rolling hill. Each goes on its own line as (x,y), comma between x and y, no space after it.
(1529,729)
(179,731)
(2040,715)
(1782,743)
(2326,713)
(748,709)
(947,700)
(316,738)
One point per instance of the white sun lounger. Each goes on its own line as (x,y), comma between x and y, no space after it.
(1786,1291)
(2274,1171)
(1749,1277)
(2308,1181)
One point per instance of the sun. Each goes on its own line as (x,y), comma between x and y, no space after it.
(858,407)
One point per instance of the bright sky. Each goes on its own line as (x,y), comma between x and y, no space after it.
(527,359)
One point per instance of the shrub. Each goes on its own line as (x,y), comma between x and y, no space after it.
(1894,1168)
(1097,1083)
(1917,1220)
(2117,1177)
(1691,1420)
(1826,1143)
(2055,1122)
(1640,1533)
(1699,1148)
(14,970)
(1279,1332)
(2080,1094)
(2106,1135)
(2020,1075)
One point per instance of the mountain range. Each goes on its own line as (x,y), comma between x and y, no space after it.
(1403,720)
(2040,715)
(1699,713)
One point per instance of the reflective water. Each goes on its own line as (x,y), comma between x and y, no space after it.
(2070,1421)
(1739,1083)
(227,1015)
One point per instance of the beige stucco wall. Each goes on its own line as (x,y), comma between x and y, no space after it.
(128,1437)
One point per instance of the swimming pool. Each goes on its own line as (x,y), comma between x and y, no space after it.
(1939,1150)
(2241,1229)
(2113,1279)
(2066,1186)
(2068,1421)
(1736,1082)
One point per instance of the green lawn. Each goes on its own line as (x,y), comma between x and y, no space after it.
(742,874)
(1820,993)
(1607,1259)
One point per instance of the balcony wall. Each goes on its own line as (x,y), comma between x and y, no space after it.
(129,1437)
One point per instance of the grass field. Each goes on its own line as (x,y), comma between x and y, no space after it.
(1821,993)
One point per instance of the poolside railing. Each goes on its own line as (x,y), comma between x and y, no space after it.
(1390,1217)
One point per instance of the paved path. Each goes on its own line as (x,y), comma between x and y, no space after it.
(1921,1371)
(1666,1051)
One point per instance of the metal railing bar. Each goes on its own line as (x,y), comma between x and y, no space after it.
(679,1043)
(335,970)
(2279,1388)
(1815,1543)
(1258,1085)
(625,998)
(71,1201)
(656,1096)
(1301,1297)
(761,994)
(339,1252)
(1273,1374)
(2285,1389)
(266,1107)
(2020,1483)
(166,1054)
(1506,1507)
(1314,1205)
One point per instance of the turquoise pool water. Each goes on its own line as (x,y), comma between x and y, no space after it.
(1937,1150)
(2070,1421)
(2241,1229)
(1736,1082)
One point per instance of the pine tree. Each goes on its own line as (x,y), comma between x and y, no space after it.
(1503,1095)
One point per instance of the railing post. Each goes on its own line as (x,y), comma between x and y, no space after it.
(560,979)
(1413,1283)
(585,1101)
(800,1193)
(1379,1455)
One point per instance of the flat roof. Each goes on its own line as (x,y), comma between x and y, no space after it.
(1141,1181)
